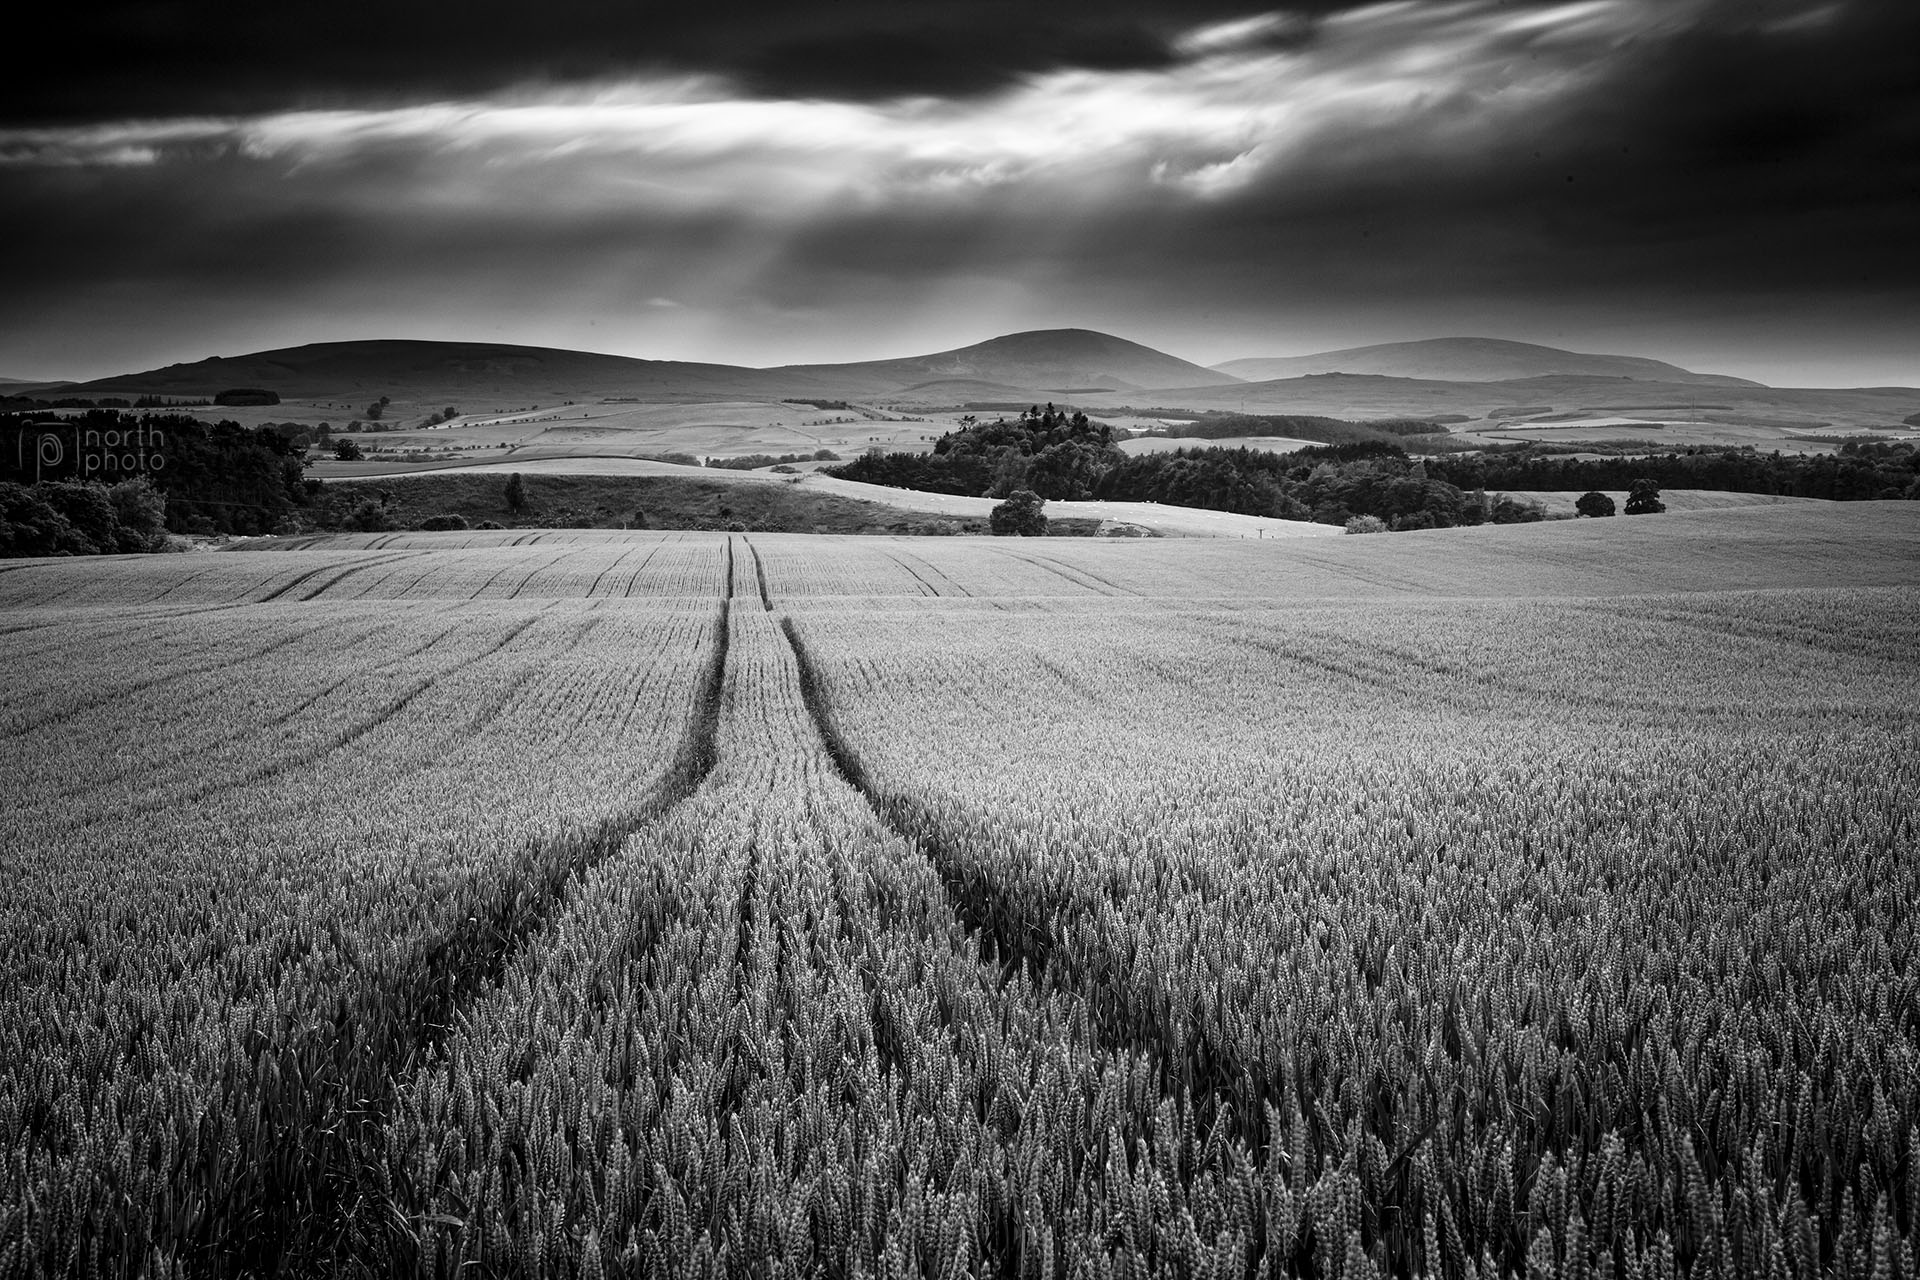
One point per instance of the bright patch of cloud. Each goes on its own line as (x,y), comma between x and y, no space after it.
(1391,81)
(1240,33)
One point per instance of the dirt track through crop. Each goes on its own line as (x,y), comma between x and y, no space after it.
(316,1208)
(972,903)
(1020,935)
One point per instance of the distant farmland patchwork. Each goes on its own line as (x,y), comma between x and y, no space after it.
(1523,900)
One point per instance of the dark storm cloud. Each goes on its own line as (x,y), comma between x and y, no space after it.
(1752,149)
(1664,156)
(142,58)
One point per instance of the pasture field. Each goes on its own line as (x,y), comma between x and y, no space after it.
(1532,900)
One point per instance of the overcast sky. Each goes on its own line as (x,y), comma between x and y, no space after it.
(1733,185)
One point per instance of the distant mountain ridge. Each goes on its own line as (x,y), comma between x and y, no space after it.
(1047,364)
(426,370)
(1470,360)
(1022,363)
(1040,358)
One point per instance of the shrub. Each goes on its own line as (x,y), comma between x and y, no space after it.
(1366,524)
(1023,513)
(28,526)
(371,517)
(1506,509)
(142,515)
(93,529)
(442,523)
(1594,504)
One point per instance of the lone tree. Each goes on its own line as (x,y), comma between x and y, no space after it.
(1023,513)
(516,493)
(347,451)
(1643,499)
(1594,504)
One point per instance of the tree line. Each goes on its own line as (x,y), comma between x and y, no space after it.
(1057,454)
(61,478)
(1861,469)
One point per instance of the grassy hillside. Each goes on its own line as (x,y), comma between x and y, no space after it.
(464,373)
(456,372)
(1469,360)
(1046,359)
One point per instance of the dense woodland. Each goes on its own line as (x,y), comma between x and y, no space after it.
(1418,435)
(1862,469)
(1363,470)
(62,477)
(1067,456)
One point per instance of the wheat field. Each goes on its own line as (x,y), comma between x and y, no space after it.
(1533,900)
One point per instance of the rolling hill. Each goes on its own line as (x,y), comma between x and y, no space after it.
(1362,396)
(426,371)
(1026,365)
(1470,360)
(1061,365)
(1045,359)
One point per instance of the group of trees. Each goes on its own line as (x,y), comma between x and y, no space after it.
(1860,469)
(1330,484)
(1642,500)
(1057,455)
(1023,514)
(754,461)
(1296,426)
(31,404)
(1050,451)
(213,478)
(1362,471)
(81,518)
